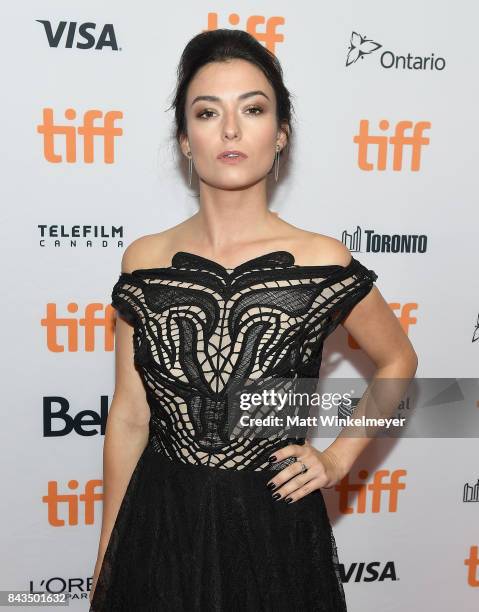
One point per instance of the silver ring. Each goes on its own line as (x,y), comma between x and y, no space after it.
(303,468)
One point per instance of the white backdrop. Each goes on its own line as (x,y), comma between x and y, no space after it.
(65,223)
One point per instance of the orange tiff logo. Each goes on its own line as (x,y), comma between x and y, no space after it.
(88,323)
(268,35)
(472,563)
(95,123)
(398,142)
(385,486)
(55,500)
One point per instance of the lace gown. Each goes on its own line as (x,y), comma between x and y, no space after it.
(198,530)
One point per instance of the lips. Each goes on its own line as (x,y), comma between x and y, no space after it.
(230,153)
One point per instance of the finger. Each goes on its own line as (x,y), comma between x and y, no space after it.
(290,450)
(292,488)
(284,479)
(284,475)
(306,489)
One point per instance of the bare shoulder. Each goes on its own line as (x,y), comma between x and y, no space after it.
(149,251)
(322,250)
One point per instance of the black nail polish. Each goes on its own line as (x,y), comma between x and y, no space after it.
(276,495)
(288,500)
(271,486)
(273,458)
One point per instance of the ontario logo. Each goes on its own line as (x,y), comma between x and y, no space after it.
(361,46)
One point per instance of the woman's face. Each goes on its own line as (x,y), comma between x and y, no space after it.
(229,122)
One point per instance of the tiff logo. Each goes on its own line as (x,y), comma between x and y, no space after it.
(399,141)
(268,35)
(89,323)
(54,500)
(384,481)
(104,129)
(472,563)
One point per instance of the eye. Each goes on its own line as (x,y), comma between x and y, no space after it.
(205,111)
(255,108)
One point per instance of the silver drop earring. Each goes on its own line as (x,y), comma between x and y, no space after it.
(190,167)
(276,164)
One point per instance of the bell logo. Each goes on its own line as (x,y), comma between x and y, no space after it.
(268,35)
(399,141)
(472,563)
(89,323)
(384,481)
(53,500)
(58,420)
(104,129)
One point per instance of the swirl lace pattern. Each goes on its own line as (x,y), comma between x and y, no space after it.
(200,327)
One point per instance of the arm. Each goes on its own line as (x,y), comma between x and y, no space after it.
(127,428)
(378,332)
(126,432)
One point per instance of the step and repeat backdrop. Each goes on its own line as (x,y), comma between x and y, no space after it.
(385,159)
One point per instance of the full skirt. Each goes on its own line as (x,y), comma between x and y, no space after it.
(191,538)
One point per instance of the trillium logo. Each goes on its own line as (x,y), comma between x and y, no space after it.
(475,335)
(359,46)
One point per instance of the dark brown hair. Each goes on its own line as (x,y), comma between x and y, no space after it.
(222,45)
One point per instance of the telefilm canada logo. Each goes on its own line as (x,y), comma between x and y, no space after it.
(370,241)
(82,235)
(88,35)
(361,46)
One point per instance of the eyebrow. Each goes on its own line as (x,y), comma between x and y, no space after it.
(248,94)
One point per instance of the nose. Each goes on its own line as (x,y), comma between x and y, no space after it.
(231,128)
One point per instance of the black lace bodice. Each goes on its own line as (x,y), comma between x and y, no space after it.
(199,326)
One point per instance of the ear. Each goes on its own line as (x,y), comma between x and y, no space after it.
(283,135)
(184,144)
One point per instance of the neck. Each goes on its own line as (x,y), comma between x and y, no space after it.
(234,222)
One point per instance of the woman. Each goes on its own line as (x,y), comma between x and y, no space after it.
(194,519)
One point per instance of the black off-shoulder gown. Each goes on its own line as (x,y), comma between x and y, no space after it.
(198,530)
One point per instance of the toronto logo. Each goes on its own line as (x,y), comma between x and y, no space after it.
(368,240)
(470,492)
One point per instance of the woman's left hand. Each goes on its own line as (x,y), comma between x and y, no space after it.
(324,470)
